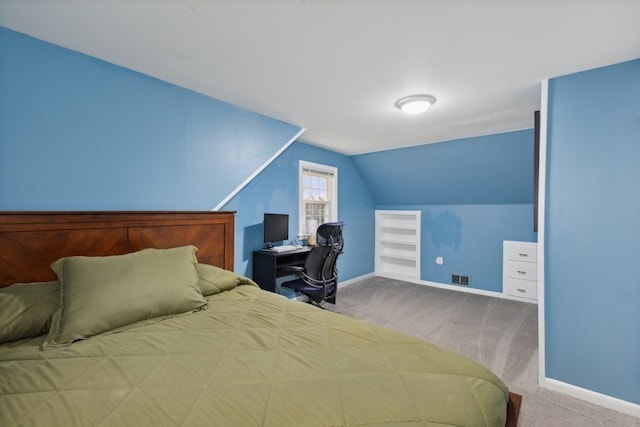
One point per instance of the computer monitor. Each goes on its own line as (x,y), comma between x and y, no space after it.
(276,228)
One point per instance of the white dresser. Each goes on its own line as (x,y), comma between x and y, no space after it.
(520,270)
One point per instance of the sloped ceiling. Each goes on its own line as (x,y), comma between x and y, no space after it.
(493,169)
(337,67)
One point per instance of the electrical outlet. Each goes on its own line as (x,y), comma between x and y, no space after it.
(464,280)
(455,279)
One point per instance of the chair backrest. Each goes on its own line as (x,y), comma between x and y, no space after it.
(330,270)
(315,266)
(320,264)
(330,234)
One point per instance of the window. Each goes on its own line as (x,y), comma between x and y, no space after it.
(318,194)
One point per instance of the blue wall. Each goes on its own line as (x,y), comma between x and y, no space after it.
(472,193)
(469,238)
(592,236)
(493,169)
(77,133)
(276,190)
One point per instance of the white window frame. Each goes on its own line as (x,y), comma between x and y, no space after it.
(333,214)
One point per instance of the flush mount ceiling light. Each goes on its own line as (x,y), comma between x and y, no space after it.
(415,104)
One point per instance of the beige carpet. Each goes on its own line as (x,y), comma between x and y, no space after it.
(500,334)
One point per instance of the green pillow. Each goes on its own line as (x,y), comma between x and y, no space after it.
(102,294)
(214,280)
(27,309)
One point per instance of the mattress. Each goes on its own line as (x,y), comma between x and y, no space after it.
(252,358)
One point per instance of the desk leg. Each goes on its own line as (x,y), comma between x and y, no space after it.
(264,271)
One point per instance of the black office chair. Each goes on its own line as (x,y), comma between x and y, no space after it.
(318,278)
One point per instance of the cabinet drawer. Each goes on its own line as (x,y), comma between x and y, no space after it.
(521,270)
(521,251)
(521,288)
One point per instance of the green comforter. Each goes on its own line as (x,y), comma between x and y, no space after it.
(252,358)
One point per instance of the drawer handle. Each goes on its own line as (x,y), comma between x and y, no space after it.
(522,272)
(522,290)
(523,255)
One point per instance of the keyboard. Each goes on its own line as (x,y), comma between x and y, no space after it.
(285,248)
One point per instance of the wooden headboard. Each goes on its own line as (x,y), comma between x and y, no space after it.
(31,241)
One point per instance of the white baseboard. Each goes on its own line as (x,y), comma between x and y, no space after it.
(354,280)
(460,288)
(599,399)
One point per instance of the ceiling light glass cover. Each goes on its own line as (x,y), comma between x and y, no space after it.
(415,104)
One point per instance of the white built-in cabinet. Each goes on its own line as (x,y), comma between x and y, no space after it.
(398,244)
(520,270)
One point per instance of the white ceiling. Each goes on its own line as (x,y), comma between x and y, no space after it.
(336,67)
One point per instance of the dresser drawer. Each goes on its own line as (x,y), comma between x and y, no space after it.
(521,288)
(521,251)
(521,270)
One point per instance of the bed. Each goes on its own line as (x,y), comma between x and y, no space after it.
(220,351)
